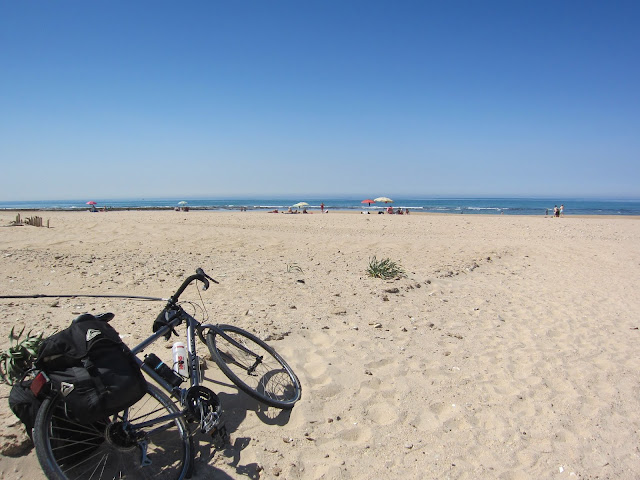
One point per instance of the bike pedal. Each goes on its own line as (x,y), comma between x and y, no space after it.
(209,422)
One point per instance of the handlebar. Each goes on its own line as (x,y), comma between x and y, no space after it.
(199,275)
(172,310)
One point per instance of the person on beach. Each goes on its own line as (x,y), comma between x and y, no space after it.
(556,212)
(562,210)
(390,210)
(406,211)
(322,207)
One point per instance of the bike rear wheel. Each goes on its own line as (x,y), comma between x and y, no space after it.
(113,448)
(254,366)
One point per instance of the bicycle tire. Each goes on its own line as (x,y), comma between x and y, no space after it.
(272,381)
(68,450)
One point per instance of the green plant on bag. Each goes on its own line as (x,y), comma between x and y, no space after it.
(384,269)
(19,357)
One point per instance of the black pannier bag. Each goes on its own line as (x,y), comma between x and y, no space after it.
(93,370)
(24,404)
(72,440)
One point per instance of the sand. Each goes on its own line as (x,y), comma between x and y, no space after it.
(510,350)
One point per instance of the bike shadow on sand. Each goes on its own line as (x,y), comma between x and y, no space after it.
(235,407)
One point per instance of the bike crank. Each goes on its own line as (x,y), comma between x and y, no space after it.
(203,406)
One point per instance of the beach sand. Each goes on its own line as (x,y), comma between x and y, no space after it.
(510,350)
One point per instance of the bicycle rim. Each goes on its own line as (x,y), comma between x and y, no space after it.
(261,372)
(113,448)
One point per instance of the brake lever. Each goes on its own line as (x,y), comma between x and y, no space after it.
(201,272)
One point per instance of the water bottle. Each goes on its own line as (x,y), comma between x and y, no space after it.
(180,365)
(163,370)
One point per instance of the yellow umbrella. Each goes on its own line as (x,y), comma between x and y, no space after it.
(383,200)
(300,204)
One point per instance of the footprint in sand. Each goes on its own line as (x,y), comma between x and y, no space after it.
(323,340)
(372,383)
(315,367)
(356,434)
(328,391)
(382,413)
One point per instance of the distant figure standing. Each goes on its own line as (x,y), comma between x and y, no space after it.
(562,210)
(546,212)
(556,212)
(322,207)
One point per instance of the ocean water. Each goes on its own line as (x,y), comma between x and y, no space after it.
(473,206)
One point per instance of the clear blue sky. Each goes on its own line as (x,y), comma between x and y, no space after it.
(107,99)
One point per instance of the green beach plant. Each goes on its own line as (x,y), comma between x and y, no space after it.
(19,357)
(384,269)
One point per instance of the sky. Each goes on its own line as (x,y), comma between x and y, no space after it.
(122,99)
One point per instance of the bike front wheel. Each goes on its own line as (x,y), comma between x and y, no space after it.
(149,440)
(253,366)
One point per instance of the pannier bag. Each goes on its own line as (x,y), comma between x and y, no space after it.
(24,404)
(93,370)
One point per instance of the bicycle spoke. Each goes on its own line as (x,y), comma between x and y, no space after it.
(112,449)
(253,366)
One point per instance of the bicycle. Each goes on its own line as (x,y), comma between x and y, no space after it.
(152,438)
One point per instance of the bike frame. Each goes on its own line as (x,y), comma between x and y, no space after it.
(194,376)
(193,328)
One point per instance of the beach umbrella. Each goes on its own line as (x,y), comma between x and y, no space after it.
(300,204)
(91,203)
(383,200)
(182,203)
(368,201)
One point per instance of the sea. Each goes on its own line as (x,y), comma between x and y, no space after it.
(449,205)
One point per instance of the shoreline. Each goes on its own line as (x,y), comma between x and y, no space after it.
(313,211)
(470,206)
